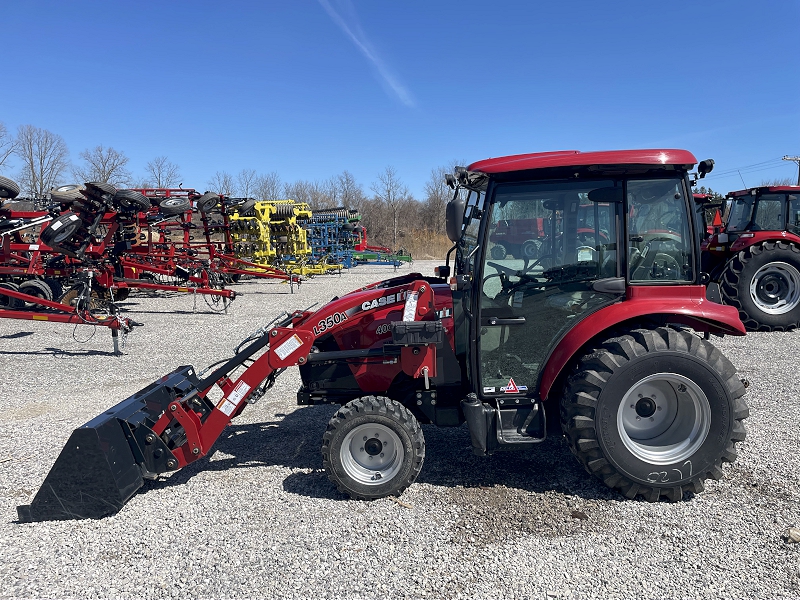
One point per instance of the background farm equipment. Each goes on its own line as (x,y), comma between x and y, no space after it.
(753,252)
(364,253)
(606,336)
(332,236)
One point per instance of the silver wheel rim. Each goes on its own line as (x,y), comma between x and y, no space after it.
(775,288)
(664,418)
(361,459)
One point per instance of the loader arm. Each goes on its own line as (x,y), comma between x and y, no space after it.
(172,422)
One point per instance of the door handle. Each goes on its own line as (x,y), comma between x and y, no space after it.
(511,321)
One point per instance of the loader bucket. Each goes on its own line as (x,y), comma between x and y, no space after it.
(93,477)
(106,460)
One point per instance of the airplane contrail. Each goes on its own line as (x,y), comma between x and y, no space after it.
(360,40)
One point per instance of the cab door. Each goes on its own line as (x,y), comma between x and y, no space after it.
(529,299)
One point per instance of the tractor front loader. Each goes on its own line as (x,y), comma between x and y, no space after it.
(602,330)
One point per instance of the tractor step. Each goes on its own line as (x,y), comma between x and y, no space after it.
(493,428)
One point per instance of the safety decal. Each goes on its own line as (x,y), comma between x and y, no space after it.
(489,390)
(513,388)
(410,309)
(289,346)
(238,392)
(226,407)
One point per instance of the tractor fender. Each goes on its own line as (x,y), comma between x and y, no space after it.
(752,238)
(684,304)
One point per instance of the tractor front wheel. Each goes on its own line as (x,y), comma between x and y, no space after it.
(373,448)
(763,282)
(654,413)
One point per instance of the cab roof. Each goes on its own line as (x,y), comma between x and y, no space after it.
(576,158)
(771,189)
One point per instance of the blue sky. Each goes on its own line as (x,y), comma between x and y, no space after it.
(309,88)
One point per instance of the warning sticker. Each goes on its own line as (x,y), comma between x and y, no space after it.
(226,407)
(489,390)
(239,392)
(410,309)
(289,346)
(513,388)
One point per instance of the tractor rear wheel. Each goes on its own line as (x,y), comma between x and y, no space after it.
(763,282)
(373,448)
(654,413)
(529,250)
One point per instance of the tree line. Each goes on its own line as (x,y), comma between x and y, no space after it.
(389,211)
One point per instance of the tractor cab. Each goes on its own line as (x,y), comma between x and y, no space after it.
(608,232)
(754,256)
(775,208)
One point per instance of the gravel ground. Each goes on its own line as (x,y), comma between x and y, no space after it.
(258,518)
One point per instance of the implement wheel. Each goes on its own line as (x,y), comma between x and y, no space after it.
(37,288)
(131,200)
(7,302)
(763,282)
(174,206)
(654,413)
(373,448)
(66,194)
(8,189)
(61,229)
(207,202)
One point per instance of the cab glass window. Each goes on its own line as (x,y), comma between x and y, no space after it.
(793,223)
(769,213)
(659,241)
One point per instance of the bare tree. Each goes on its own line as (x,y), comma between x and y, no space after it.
(299,191)
(392,193)
(247,179)
(163,173)
(7,145)
(106,165)
(269,187)
(778,182)
(222,183)
(437,195)
(349,192)
(44,156)
(321,194)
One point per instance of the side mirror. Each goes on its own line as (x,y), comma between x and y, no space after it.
(454,217)
(705,167)
(606,194)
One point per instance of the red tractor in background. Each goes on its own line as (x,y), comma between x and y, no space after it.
(603,332)
(754,255)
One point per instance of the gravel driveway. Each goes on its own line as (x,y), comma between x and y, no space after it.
(258,518)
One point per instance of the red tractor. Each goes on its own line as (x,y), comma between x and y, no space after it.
(754,254)
(602,332)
